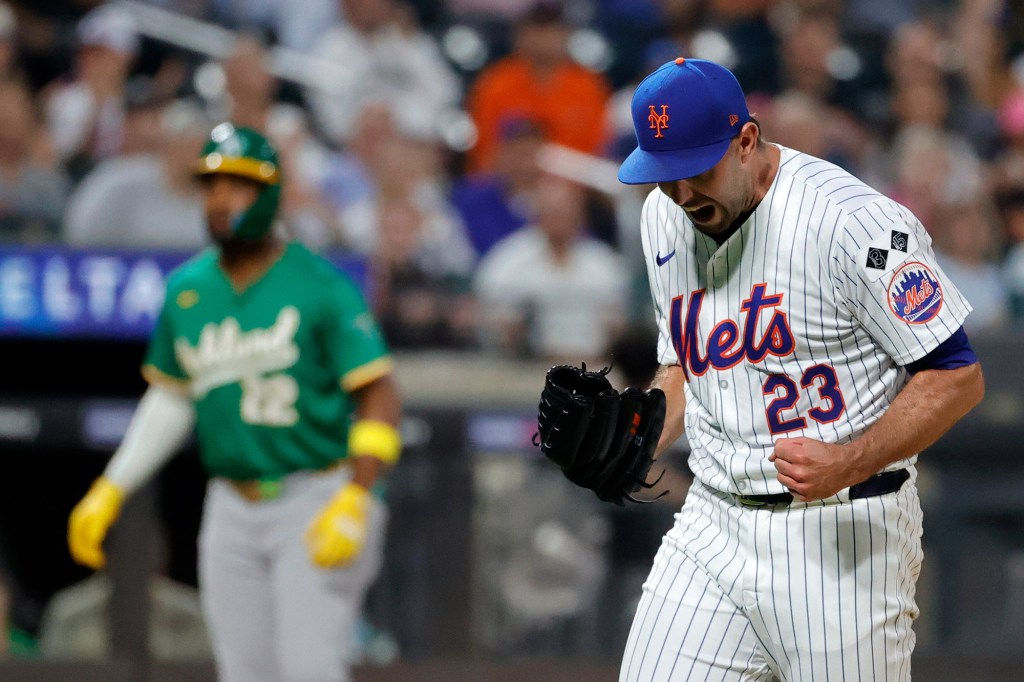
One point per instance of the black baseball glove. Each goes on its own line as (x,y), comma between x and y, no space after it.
(602,439)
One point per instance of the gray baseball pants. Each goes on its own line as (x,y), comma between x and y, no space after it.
(273,616)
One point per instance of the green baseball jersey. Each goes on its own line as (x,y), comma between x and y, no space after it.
(270,368)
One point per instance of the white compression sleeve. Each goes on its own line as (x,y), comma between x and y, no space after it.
(159,427)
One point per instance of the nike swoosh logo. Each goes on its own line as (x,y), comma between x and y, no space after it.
(662,260)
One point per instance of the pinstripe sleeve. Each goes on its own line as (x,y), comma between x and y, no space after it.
(884,268)
(651,235)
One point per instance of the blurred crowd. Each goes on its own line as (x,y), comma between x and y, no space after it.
(411,131)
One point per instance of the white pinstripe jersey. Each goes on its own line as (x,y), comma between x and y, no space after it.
(800,323)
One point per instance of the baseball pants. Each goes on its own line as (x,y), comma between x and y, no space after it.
(273,616)
(813,591)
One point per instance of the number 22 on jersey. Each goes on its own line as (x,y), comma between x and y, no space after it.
(270,400)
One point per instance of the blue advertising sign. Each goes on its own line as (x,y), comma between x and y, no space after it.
(58,292)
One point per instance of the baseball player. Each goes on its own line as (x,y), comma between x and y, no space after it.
(811,346)
(274,357)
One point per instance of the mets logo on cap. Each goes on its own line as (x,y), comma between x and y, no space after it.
(658,121)
(915,295)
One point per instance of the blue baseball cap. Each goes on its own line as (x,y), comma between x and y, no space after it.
(684,114)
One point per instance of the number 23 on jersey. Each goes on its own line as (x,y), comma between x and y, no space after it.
(730,343)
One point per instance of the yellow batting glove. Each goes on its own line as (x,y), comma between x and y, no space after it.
(337,533)
(91,519)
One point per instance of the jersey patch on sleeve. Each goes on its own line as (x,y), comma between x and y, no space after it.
(877,258)
(915,295)
(886,253)
(899,240)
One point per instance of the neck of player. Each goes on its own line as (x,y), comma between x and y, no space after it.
(244,262)
(764,172)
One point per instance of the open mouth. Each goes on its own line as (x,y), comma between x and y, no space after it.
(702,214)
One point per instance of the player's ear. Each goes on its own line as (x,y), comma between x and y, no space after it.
(748,138)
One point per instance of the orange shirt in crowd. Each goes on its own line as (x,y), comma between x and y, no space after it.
(569,106)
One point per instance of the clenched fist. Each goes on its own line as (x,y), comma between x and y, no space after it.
(811,469)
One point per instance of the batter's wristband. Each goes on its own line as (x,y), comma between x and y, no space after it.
(372,438)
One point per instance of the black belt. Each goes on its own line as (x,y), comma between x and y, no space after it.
(879,484)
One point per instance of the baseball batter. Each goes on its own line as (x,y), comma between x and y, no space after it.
(811,346)
(273,356)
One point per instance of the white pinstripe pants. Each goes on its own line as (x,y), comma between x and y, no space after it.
(810,592)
